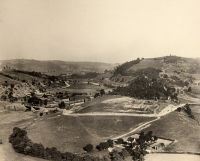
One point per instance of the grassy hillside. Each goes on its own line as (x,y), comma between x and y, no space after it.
(69,133)
(180,127)
(170,65)
(55,67)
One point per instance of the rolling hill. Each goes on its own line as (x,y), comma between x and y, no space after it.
(55,67)
(173,67)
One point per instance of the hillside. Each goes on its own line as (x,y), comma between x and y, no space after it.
(170,64)
(178,126)
(55,67)
(176,69)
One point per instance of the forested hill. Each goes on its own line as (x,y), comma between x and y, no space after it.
(156,77)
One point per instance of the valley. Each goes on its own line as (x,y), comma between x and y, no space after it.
(70,110)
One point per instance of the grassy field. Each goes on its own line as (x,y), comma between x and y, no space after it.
(180,127)
(69,133)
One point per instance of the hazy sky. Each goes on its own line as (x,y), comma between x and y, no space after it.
(99,30)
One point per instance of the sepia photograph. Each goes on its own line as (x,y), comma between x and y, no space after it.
(99,80)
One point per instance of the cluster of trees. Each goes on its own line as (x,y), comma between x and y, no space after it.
(114,155)
(22,144)
(136,148)
(148,72)
(8,94)
(48,79)
(143,87)
(119,156)
(6,75)
(104,145)
(101,146)
(122,69)
(187,110)
(34,100)
(32,73)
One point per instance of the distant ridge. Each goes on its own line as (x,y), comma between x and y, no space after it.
(55,66)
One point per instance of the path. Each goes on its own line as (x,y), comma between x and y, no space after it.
(108,114)
(137,128)
(165,111)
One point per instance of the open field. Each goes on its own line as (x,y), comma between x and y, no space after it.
(178,126)
(69,133)
(122,104)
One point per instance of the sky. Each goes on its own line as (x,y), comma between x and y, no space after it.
(111,31)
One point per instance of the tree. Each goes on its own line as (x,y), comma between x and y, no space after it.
(102,146)
(110,142)
(88,148)
(102,92)
(115,156)
(96,95)
(189,89)
(61,105)
(124,153)
(45,102)
(120,141)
